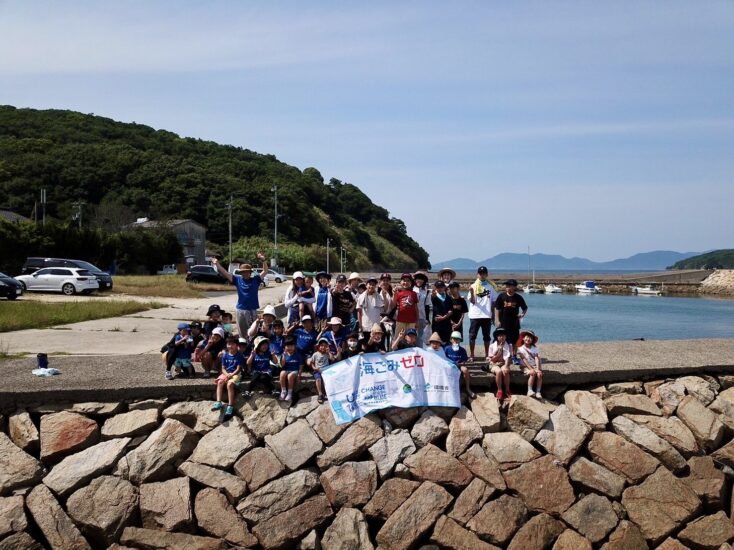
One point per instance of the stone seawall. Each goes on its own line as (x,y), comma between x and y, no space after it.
(720,282)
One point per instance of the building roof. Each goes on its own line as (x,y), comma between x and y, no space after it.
(169,223)
(12,216)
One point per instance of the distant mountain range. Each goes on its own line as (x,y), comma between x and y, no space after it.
(656,260)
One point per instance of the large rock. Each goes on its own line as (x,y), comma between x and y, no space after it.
(12,516)
(648,441)
(66,433)
(723,405)
(56,526)
(539,532)
(78,469)
(704,390)
(96,408)
(500,518)
(131,424)
(23,431)
(322,421)
(463,431)
(704,424)
(483,466)
(660,505)
(671,430)
(150,539)
(526,416)
(360,436)
(215,516)
(543,485)
(348,531)
(388,498)
(593,477)
(707,481)
(449,534)
(588,407)
(166,505)
(625,387)
(627,536)
(668,396)
(390,450)
(400,417)
(103,508)
(563,435)
(486,410)
(197,415)
(428,428)
(302,408)
(432,464)
(279,495)
(17,468)
(623,403)
(222,446)
(571,540)
(471,500)
(232,486)
(258,466)
(414,517)
(592,516)
(621,457)
(311,541)
(350,484)
(725,455)
(264,415)
(295,444)
(509,449)
(708,532)
(157,457)
(280,530)
(158,404)
(20,541)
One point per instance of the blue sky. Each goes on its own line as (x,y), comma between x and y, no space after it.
(576,128)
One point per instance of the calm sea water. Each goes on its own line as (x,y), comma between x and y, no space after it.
(580,318)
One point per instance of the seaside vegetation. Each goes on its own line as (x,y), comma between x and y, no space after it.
(122,171)
(716,259)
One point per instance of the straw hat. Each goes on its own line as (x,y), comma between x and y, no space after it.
(530,333)
(435,338)
(447,270)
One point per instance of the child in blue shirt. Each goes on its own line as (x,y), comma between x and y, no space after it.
(291,364)
(183,344)
(260,363)
(232,362)
(305,335)
(458,356)
(277,339)
(336,334)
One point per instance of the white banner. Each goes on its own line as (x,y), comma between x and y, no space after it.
(413,377)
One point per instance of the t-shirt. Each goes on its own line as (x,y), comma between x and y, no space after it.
(484,299)
(458,308)
(305,340)
(322,303)
(247,291)
(292,362)
(261,363)
(441,308)
(407,306)
(230,361)
(457,357)
(493,351)
(424,299)
(320,360)
(277,343)
(372,347)
(528,354)
(209,326)
(339,336)
(509,307)
(342,304)
(183,351)
(403,344)
(371,306)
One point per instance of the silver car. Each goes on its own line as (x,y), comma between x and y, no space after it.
(60,279)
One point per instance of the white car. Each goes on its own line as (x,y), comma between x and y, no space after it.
(275,277)
(60,279)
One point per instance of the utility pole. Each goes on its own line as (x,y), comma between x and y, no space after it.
(43,206)
(78,215)
(343,258)
(229,207)
(274,189)
(328,240)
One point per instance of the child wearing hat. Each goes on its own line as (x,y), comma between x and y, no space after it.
(211,350)
(291,365)
(323,306)
(321,359)
(260,363)
(498,363)
(183,349)
(529,356)
(376,341)
(435,344)
(232,363)
(509,309)
(335,334)
(456,353)
(343,301)
(442,311)
(406,339)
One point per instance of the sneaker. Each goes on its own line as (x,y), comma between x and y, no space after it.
(515,360)
(509,395)
(228,413)
(289,396)
(531,393)
(169,376)
(206,375)
(218,406)
(500,395)
(283,393)
(247,394)
(538,395)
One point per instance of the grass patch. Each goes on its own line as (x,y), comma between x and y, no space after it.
(164,286)
(22,315)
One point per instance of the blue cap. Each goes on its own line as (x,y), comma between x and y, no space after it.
(182,326)
(411,331)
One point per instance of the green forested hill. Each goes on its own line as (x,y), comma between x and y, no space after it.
(716,259)
(123,171)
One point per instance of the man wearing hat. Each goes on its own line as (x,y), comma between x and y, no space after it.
(354,279)
(447,275)
(324,305)
(405,302)
(482,296)
(424,303)
(370,307)
(247,288)
(509,309)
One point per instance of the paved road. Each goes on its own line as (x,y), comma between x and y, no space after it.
(143,332)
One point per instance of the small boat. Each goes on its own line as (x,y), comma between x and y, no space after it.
(553,289)
(587,287)
(532,288)
(646,291)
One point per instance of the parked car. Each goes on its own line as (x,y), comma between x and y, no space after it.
(263,283)
(168,269)
(205,274)
(274,276)
(33,264)
(9,287)
(69,280)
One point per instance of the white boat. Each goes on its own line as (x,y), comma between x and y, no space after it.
(532,288)
(646,291)
(553,289)
(587,287)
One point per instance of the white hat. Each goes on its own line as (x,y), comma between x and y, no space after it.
(335,321)
(306,318)
(353,276)
(242,340)
(456,335)
(298,275)
(269,310)
(219,331)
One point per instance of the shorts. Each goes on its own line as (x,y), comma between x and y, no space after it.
(475,324)
(495,368)
(223,379)
(289,370)
(399,326)
(317,375)
(513,333)
(183,363)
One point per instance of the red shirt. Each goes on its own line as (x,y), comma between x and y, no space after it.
(407,302)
